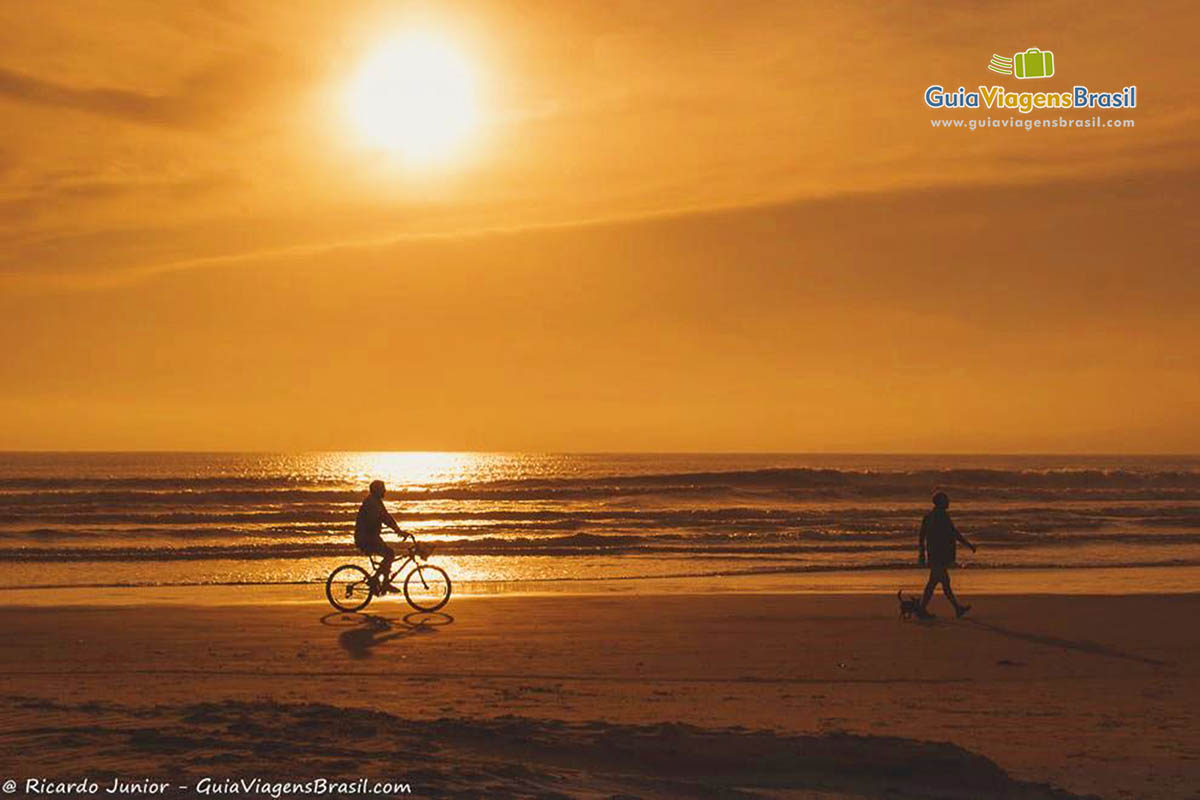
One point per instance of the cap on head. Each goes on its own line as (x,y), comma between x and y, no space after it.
(377,488)
(941,500)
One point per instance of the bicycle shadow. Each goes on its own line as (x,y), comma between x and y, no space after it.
(365,632)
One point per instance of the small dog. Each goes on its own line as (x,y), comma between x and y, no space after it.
(909,606)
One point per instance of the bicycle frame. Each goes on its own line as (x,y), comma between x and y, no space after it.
(377,562)
(414,552)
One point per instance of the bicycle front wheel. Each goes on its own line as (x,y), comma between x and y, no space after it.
(427,588)
(348,588)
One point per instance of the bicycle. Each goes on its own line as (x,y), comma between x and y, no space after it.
(426,587)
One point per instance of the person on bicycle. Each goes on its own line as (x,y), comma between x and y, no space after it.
(368,532)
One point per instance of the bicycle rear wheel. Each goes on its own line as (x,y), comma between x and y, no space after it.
(349,588)
(427,588)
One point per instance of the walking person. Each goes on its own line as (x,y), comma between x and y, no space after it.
(939,539)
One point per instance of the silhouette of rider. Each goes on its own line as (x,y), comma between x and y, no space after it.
(368,532)
(939,537)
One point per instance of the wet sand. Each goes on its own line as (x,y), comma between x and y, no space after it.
(683,695)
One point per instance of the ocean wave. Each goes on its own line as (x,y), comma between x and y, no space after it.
(248,516)
(240,488)
(577,544)
(573,545)
(866,518)
(808,477)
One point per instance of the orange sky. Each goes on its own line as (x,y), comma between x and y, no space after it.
(679,226)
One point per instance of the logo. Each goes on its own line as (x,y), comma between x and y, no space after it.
(1033,63)
(1001,64)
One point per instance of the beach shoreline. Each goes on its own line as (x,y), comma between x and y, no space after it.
(1094,695)
(1095,581)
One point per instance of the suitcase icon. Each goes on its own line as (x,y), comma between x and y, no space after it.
(1033,63)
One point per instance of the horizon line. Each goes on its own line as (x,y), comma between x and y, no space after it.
(960,453)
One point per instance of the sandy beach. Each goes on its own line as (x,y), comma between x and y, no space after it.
(654,696)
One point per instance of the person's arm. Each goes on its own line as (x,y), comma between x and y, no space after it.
(921,544)
(390,521)
(960,537)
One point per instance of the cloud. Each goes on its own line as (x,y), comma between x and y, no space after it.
(75,195)
(206,98)
(119,103)
(912,216)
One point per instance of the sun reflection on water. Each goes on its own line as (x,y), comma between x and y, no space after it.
(413,470)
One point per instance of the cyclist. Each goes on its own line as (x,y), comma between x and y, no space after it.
(368,533)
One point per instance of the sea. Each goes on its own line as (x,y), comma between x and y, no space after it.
(506,521)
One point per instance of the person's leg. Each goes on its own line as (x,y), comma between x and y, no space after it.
(385,569)
(959,610)
(929,586)
(946,590)
(386,556)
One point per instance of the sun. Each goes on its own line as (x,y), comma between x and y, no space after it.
(415,97)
